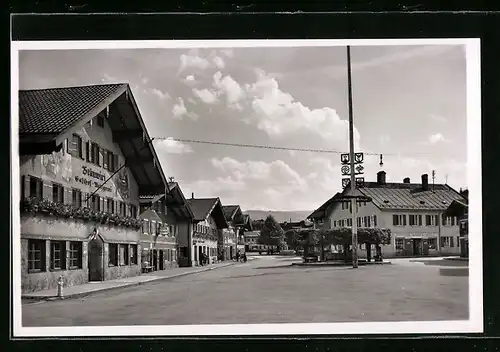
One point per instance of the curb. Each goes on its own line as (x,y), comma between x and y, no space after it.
(308,265)
(84,294)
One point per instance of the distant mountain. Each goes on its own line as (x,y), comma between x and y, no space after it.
(280,216)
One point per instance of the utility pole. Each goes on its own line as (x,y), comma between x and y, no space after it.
(351,159)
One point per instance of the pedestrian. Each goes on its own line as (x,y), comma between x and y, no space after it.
(244,257)
(238,256)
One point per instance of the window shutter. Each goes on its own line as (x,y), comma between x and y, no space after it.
(404,220)
(115,162)
(88,151)
(105,159)
(436,220)
(420,220)
(394,220)
(101,156)
(68,146)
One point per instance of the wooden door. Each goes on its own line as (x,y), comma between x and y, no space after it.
(425,247)
(96,260)
(408,246)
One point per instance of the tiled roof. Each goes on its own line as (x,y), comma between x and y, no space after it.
(229,211)
(54,110)
(410,196)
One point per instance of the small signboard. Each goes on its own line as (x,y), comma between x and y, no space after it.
(344,158)
(358,158)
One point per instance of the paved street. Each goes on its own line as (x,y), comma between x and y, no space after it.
(265,291)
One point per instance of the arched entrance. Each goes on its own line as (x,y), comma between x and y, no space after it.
(96,259)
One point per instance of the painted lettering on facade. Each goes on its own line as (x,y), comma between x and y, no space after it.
(89,172)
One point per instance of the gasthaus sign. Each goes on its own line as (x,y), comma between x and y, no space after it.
(93,179)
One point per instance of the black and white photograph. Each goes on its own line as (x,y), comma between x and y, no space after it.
(246,187)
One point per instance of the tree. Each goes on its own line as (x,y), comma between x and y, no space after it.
(293,239)
(272,233)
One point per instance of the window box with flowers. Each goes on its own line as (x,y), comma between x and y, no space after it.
(48,207)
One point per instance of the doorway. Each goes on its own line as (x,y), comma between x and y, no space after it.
(417,246)
(200,251)
(162,261)
(96,259)
(155,260)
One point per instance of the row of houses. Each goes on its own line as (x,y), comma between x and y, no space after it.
(424,219)
(96,203)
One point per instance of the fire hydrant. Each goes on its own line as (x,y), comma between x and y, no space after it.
(60,284)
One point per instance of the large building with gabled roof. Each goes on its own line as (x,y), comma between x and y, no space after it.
(412,211)
(85,160)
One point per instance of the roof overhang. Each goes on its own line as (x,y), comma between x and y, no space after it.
(217,213)
(177,203)
(456,208)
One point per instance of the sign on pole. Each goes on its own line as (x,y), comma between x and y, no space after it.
(345,169)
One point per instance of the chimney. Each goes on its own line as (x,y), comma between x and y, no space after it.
(425,182)
(381,177)
(406,180)
(192,195)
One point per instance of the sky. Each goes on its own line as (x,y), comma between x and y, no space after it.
(409,104)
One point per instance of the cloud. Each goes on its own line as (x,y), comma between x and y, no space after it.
(436,138)
(228,52)
(171,146)
(193,61)
(205,95)
(276,173)
(190,80)
(219,62)
(278,113)
(159,94)
(179,109)
(228,87)
(438,118)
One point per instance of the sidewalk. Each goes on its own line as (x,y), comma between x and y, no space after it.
(101,286)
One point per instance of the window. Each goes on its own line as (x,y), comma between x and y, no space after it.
(145,226)
(445,242)
(399,220)
(108,163)
(358,222)
(334,223)
(100,121)
(374,220)
(95,203)
(77,198)
(399,242)
(415,220)
(57,193)
(36,187)
(113,254)
(94,153)
(123,248)
(432,243)
(133,254)
(57,255)
(431,220)
(75,147)
(451,242)
(349,222)
(122,209)
(36,255)
(153,227)
(368,221)
(75,255)
(110,205)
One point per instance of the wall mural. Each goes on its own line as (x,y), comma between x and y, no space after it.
(57,163)
(122,184)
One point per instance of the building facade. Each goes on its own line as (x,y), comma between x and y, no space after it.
(412,211)
(80,184)
(207,235)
